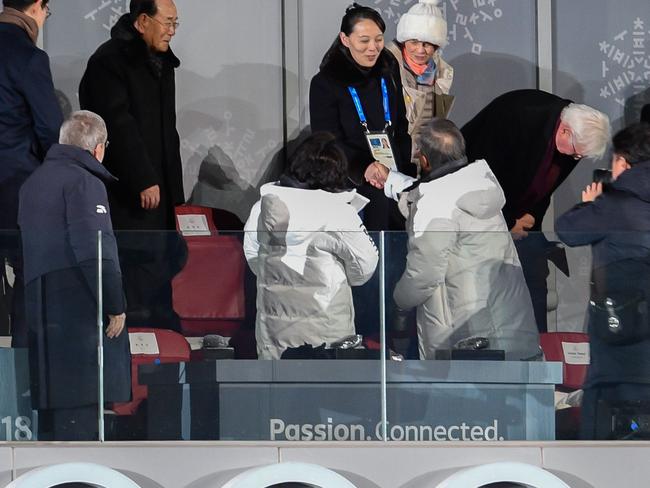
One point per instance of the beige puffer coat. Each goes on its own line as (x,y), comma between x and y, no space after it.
(416,96)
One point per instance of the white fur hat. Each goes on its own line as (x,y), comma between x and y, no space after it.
(424,22)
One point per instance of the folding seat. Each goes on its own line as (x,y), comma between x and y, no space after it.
(208,293)
(572,349)
(164,346)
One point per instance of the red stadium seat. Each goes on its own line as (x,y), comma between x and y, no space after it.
(173,348)
(552,344)
(208,294)
(556,346)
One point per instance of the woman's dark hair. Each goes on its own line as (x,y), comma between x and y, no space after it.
(21,5)
(633,143)
(139,7)
(355,13)
(320,164)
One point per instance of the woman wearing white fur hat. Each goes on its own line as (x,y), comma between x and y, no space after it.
(426,77)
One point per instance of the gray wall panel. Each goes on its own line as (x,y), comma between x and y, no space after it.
(492,45)
(229,86)
(602,59)
(493,48)
(230,99)
(6,466)
(72,34)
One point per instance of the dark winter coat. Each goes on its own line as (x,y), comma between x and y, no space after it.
(512,134)
(30,116)
(63,205)
(332,109)
(617,225)
(134,91)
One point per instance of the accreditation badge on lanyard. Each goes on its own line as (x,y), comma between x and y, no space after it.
(378,141)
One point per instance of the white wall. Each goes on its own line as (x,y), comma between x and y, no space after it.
(376,465)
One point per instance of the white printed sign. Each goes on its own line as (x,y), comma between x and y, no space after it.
(193,225)
(576,353)
(144,343)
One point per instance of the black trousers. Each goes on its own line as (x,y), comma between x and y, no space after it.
(532,252)
(597,400)
(11,253)
(10,250)
(69,424)
(149,261)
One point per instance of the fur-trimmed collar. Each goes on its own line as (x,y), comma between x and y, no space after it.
(340,67)
(135,47)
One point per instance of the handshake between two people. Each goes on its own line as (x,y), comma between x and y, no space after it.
(376,175)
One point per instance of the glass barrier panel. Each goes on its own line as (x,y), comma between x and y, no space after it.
(16,418)
(250,336)
(49,356)
(463,319)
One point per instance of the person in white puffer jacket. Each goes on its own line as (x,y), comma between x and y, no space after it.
(462,273)
(307,246)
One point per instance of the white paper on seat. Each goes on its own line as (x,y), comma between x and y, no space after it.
(143,343)
(193,225)
(576,353)
(195,343)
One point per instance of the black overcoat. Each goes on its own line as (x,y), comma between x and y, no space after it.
(30,116)
(512,134)
(134,92)
(332,109)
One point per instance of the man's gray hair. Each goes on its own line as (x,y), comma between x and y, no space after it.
(590,127)
(83,129)
(441,142)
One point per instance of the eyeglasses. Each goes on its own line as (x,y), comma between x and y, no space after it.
(106,144)
(48,12)
(167,25)
(576,155)
(426,45)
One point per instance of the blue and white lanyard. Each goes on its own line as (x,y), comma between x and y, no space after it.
(359,107)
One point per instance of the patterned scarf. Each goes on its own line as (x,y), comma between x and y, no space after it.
(22,20)
(425,73)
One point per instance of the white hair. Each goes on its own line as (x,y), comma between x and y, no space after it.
(590,128)
(83,129)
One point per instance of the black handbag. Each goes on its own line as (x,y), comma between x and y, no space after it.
(620,318)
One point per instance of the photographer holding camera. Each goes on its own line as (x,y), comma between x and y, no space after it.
(617,225)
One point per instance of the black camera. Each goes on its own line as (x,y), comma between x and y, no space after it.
(603,176)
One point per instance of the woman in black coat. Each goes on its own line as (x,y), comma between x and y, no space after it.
(358,59)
